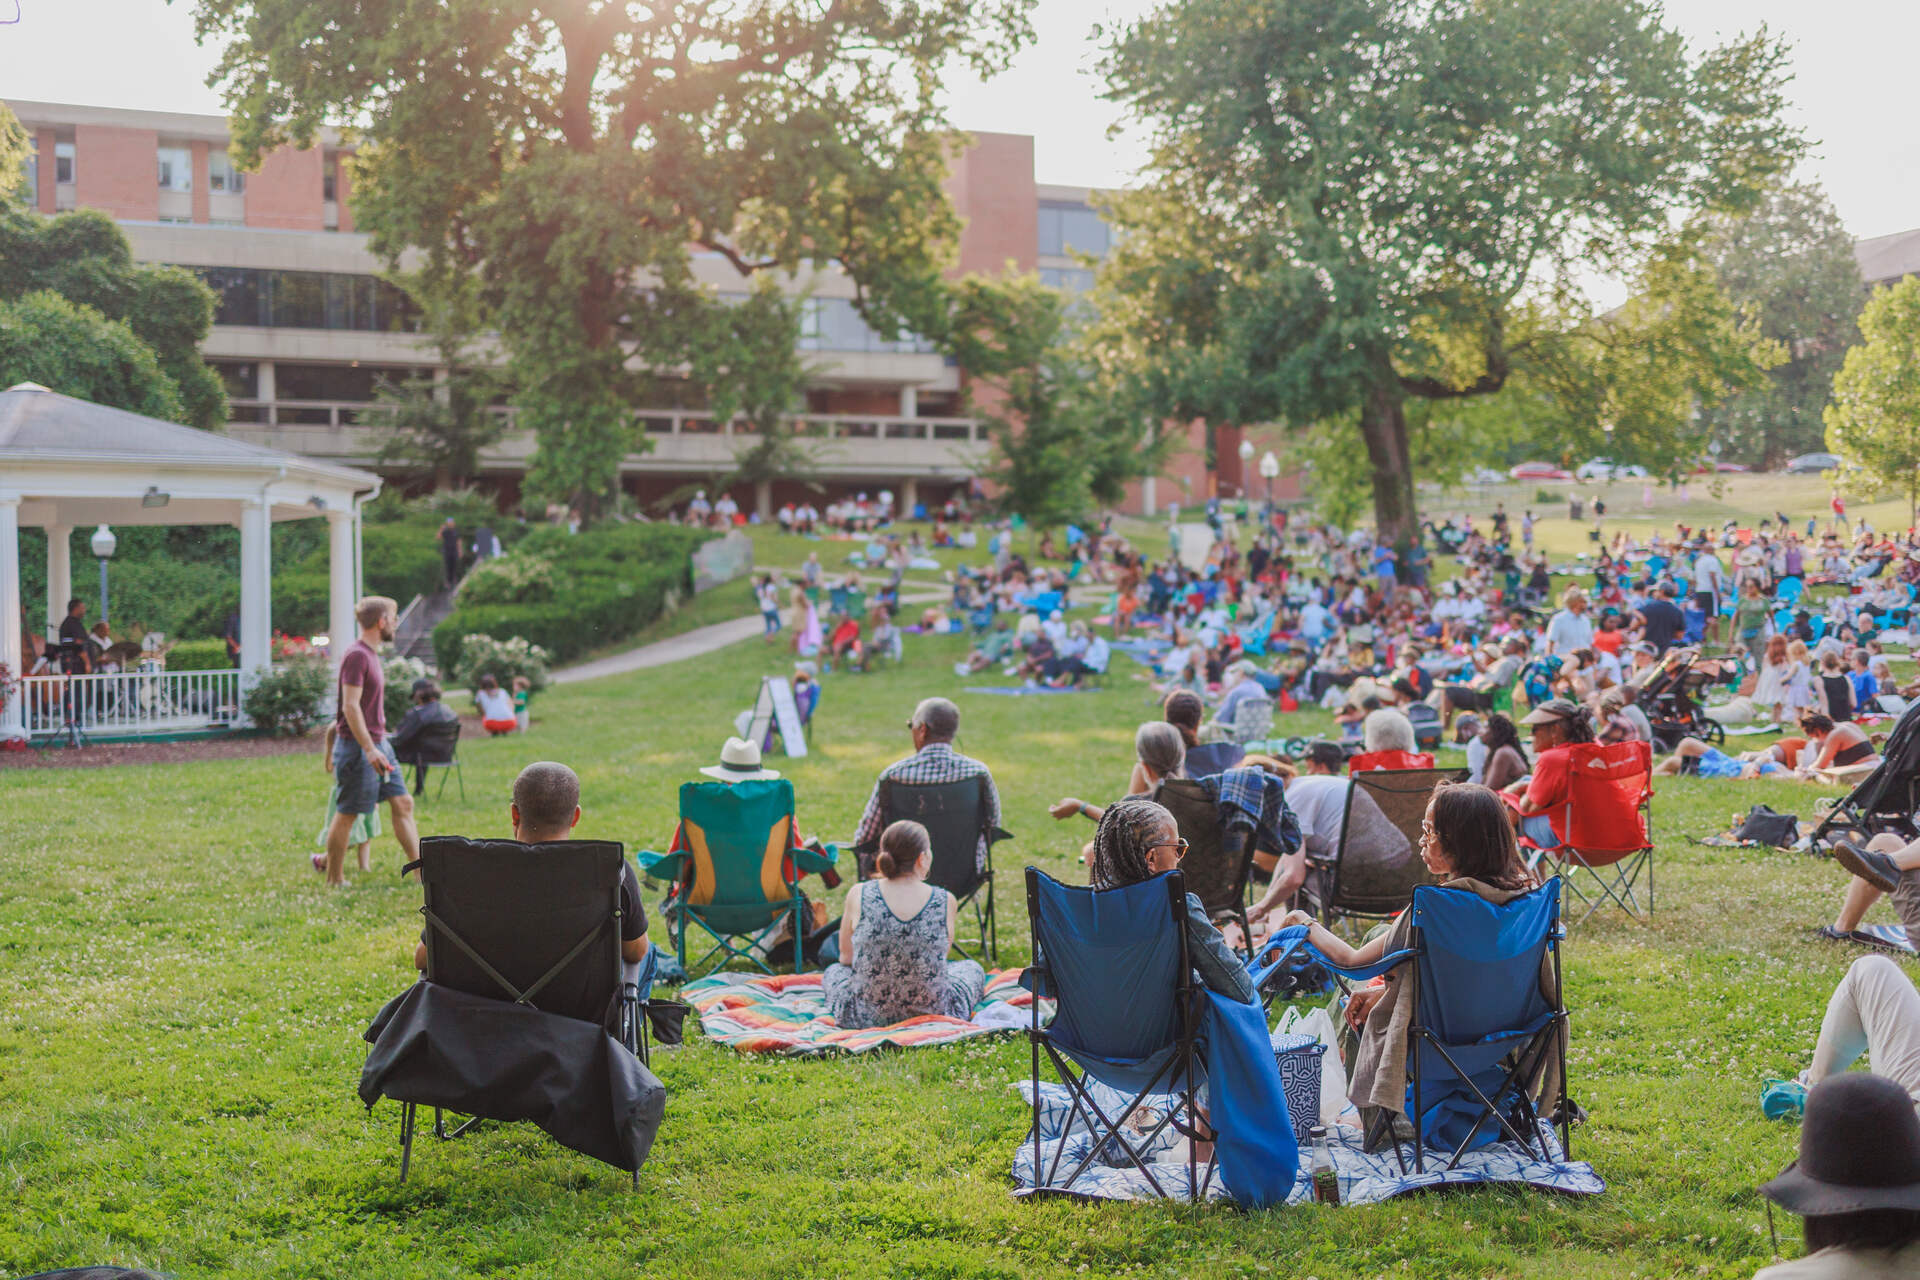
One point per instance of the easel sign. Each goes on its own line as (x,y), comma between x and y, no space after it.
(775,706)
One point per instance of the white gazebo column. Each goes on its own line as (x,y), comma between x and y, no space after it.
(59,574)
(340,584)
(12,727)
(256,588)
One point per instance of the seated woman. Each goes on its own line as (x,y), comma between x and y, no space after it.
(496,707)
(1467,843)
(894,940)
(1504,763)
(1184,711)
(1841,747)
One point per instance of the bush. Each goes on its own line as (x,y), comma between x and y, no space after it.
(519,577)
(400,673)
(287,700)
(300,599)
(199,655)
(603,586)
(501,659)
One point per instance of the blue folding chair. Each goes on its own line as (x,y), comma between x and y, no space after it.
(1115,963)
(1482,1031)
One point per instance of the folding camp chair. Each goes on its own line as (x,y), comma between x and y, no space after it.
(955,815)
(438,748)
(736,867)
(1400,761)
(1608,820)
(1252,721)
(1482,1032)
(1402,795)
(535,925)
(1115,963)
(1219,859)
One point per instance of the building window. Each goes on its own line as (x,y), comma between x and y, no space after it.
(242,380)
(176,169)
(1071,228)
(328,183)
(175,221)
(834,324)
(222,176)
(333,381)
(1069,280)
(308,300)
(30,174)
(63,162)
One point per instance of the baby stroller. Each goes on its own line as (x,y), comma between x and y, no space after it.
(1674,697)
(1887,798)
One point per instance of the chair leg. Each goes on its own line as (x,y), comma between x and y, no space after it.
(406,1138)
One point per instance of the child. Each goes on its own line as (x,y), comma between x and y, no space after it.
(522,696)
(365,826)
(496,707)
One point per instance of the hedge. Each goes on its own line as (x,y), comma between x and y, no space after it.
(613,581)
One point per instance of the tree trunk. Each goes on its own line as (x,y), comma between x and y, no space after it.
(1383,425)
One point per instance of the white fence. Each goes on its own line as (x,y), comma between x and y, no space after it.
(130,702)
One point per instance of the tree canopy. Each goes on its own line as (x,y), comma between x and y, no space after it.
(1352,205)
(1790,263)
(131,336)
(573,158)
(1874,419)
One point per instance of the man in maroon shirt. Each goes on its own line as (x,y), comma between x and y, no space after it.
(363,764)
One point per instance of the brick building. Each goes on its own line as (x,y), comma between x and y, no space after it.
(304,327)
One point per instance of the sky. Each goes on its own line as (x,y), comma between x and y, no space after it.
(1851,95)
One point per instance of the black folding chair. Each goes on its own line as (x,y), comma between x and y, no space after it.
(437,747)
(533,924)
(1402,795)
(955,816)
(1219,860)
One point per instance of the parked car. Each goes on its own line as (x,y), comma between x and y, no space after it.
(1608,469)
(1731,468)
(1486,475)
(1540,471)
(1810,463)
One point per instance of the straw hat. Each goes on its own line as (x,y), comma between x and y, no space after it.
(739,762)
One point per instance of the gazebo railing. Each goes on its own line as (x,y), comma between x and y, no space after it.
(129,702)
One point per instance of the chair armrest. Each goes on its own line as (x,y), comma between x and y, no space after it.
(996,834)
(662,866)
(1285,943)
(807,858)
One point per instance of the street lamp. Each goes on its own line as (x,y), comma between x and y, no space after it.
(1269,468)
(103,543)
(1246,456)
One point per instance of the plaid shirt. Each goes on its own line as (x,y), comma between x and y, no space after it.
(935,762)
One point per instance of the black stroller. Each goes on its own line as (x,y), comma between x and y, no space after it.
(1675,697)
(1887,798)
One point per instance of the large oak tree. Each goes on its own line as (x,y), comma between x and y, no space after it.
(1355,204)
(574,155)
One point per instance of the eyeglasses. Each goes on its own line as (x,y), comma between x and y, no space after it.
(1179,848)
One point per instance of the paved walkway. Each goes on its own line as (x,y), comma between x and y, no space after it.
(696,642)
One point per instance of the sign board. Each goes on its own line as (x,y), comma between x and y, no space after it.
(775,706)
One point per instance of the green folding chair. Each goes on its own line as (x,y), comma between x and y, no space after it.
(737,868)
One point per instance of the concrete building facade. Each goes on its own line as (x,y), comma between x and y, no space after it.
(305,329)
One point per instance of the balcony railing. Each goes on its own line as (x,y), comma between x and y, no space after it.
(129,702)
(342,414)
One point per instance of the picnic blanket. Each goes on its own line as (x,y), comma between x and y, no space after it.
(1364,1178)
(786,1014)
(1023,690)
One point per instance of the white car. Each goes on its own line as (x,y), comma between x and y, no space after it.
(1608,469)
(1486,475)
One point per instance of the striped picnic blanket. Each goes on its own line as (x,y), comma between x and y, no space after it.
(786,1014)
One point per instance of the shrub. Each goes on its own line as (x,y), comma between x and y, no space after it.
(400,673)
(519,577)
(287,700)
(199,655)
(502,659)
(300,599)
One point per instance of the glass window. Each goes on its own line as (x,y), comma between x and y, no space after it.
(176,169)
(327,183)
(299,300)
(238,296)
(1069,280)
(242,380)
(222,176)
(1071,228)
(63,162)
(332,381)
(30,175)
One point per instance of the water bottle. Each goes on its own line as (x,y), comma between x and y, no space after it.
(1326,1182)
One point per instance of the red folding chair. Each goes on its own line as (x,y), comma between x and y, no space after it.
(1365,761)
(1606,825)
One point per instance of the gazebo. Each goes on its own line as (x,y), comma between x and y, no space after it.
(67,464)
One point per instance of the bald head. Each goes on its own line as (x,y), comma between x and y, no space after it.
(936,718)
(546,802)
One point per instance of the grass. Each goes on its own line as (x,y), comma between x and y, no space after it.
(181,1040)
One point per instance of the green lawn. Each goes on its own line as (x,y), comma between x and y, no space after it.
(181,1039)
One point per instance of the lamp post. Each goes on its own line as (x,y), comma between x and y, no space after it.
(103,542)
(1269,468)
(1246,456)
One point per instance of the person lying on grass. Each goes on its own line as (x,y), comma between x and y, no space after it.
(1466,842)
(545,808)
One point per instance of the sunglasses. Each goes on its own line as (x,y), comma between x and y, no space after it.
(1179,848)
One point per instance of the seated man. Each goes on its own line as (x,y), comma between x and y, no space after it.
(934,724)
(1691,755)
(424,738)
(1377,852)
(545,808)
(1241,688)
(1884,864)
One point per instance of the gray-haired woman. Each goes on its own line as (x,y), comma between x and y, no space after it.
(1159,751)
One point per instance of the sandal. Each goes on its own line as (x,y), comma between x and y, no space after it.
(1832,934)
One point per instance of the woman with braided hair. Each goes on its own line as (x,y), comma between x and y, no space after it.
(1138,839)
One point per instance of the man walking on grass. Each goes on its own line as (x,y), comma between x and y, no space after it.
(364,766)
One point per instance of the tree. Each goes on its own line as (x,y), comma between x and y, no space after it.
(1351,205)
(83,257)
(1874,420)
(1791,263)
(573,157)
(73,349)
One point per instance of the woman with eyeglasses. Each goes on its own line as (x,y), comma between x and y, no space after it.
(1138,839)
(1466,842)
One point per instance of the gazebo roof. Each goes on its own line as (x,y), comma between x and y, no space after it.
(74,462)
(41,425)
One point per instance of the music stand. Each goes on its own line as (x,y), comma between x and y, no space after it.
(73,661)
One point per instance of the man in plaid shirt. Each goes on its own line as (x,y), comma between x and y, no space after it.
(934,724)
